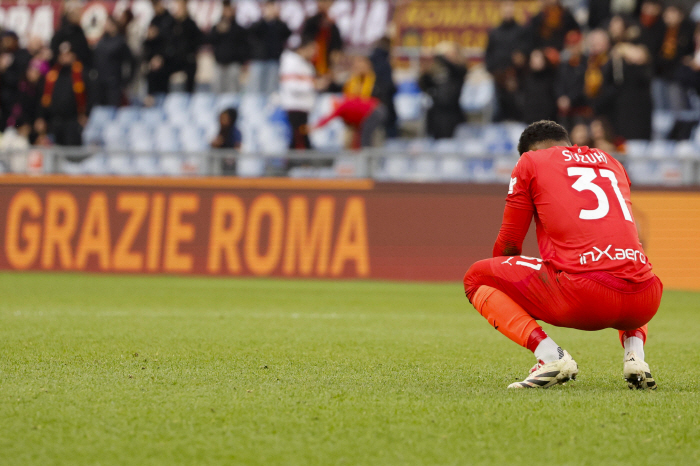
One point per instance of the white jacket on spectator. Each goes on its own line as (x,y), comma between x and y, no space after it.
(297,91)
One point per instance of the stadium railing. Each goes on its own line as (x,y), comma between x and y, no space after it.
(402,164)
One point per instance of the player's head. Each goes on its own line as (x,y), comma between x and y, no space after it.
(543,135)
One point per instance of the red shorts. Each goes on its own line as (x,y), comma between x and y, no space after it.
(590,301)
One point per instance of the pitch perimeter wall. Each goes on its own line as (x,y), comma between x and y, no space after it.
(291,228)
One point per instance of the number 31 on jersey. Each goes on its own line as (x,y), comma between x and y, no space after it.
(585,183)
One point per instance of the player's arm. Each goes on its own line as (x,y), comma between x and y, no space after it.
(518,213)
(515,224)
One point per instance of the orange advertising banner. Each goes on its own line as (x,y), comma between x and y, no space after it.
(426,23)
(291,228)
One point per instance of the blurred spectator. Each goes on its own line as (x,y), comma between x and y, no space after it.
(13,67)
(229,136)
(268,37)
(321,29)
(231,50)
(361,112)
(599,11)
(598,86)
(538,99)
(569,87)
(550,26)
(508,45)
(689,73)
(24,111)
(72,32)
(298,90)
(580,135)
(184,44)
(651,26)
(677,43)
(155,46)
(632,71)
(443,81)
(384,86)
(114,64)
(63,111)
(602,135)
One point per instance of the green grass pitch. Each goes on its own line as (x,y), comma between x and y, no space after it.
(167,370)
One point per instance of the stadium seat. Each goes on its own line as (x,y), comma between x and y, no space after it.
(224,101)
(127,116)
(636,148)
(452,168)
(176,102)
(396,145)
(662,122)
(101,115)
(250,166)
(166,139)
(202,102)
(92,134)
(119,163)
(448,146)
(661,149)
(146,164)
(192,139)
(474,147)
(409,107)
(396,167)
(114,136)
(140,138)
(170,164)
(152,116)
(686,150)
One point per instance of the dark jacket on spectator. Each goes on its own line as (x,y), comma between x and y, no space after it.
(164,22)
(669,56)
(268,39)
(327,35)
(570,81)
(231,45)
(651,34)
(633,102)
(73,34)
(538,99)
(445,90)
(9,83)
(185,42)
(548,36)
(111,54)
(384,87)
(504,40)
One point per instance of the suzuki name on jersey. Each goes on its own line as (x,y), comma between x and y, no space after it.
(593,156)
(614,255)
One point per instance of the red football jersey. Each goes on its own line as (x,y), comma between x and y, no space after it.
(580,197)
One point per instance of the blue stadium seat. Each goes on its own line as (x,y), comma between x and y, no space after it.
(425,168)
(146,164)
(396,167)
(409,107)
(152,116)
(176,102)
(114,136)
(636,148)
(250,166)
(452,168)
(202,102)
(141,138)
(166,139)
(661,149)
(662,122)
(686,150)
(101,115)
(192,139)
(476,97)
(127,115)
(228,100)
(120,164)
(448,146)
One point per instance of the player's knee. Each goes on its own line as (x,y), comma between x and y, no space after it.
(474,277)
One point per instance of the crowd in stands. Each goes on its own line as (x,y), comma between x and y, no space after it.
(602,79)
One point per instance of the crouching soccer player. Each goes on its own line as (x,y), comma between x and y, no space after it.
(593,273)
